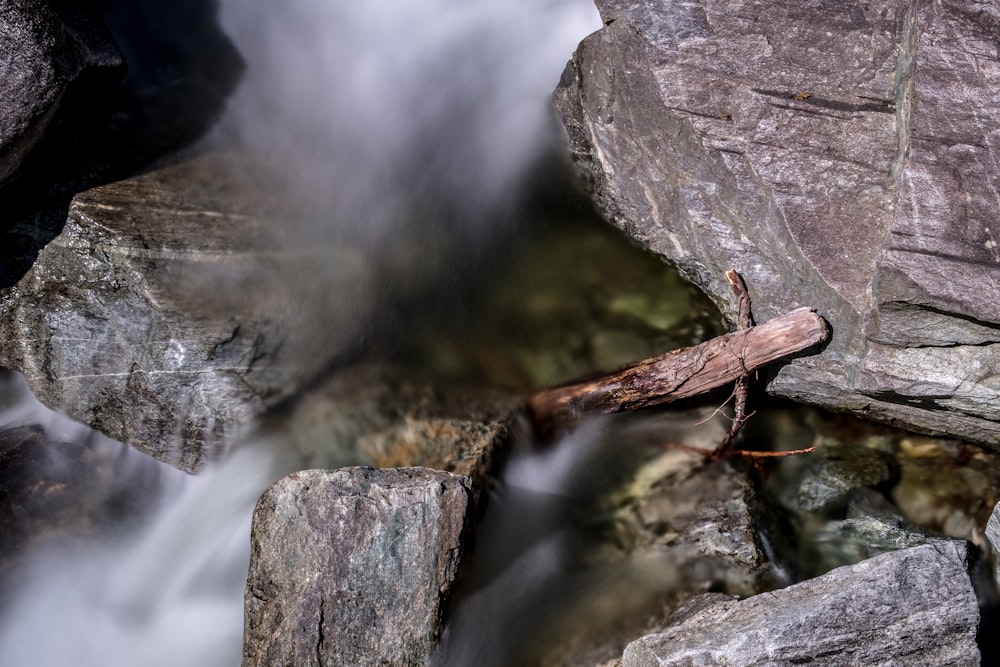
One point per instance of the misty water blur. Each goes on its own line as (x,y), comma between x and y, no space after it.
(408,124)
(547,580)
(374,117)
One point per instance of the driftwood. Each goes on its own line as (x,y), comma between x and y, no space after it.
(682,373)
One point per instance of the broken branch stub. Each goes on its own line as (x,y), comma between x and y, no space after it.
(682,373)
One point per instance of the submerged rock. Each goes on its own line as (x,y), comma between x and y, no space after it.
(168,315)
(383,416)
(909,607)
(832,158)
(352,567)
(831,476)
(55,61)
(703,519)
(947,486)
(58,492)
(853,540)
(61,483)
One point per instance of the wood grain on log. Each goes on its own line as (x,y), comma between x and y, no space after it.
(682,373)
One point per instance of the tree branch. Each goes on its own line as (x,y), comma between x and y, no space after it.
(682,373)
(741,388)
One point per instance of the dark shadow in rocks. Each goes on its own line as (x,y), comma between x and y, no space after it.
(181,70)
(988,638)
(982,571)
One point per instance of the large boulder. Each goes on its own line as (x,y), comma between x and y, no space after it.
(839,157)
(909,607)
(55,60)
(352,567)
(169,314)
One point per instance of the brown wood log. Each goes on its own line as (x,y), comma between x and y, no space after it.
(682,373)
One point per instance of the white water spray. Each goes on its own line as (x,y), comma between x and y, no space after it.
(167,593)
(372,111)
(368,110)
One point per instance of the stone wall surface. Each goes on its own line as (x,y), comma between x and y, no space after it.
(839,156)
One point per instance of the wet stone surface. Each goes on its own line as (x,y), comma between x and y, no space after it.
(386,417)
(165,316)
(839,158)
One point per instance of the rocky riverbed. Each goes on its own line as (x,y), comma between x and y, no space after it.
(642,527)
(411,514)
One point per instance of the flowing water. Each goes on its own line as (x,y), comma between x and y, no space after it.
(401,127)
(373,113)
(159,582)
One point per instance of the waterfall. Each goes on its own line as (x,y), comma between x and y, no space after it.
(367,110)
(168,593)
(372,110)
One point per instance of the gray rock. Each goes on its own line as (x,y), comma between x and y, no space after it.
(910,607)
(828,477)
(867,502)
(55,60)
(351,567)
(853,540)
(705,520)
(839,158)
(167,315)
(385,417)
(993,537)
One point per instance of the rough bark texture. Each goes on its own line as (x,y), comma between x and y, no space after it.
(684,373)
(166,315)
(54,60)
(910,607)
(351,567)
(838,156)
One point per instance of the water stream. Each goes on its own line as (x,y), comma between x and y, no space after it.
(373,114)
(159,581)
(399,127)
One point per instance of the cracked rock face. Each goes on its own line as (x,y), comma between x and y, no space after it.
(914,607)
(352,567)
(839,157)
(167,315)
